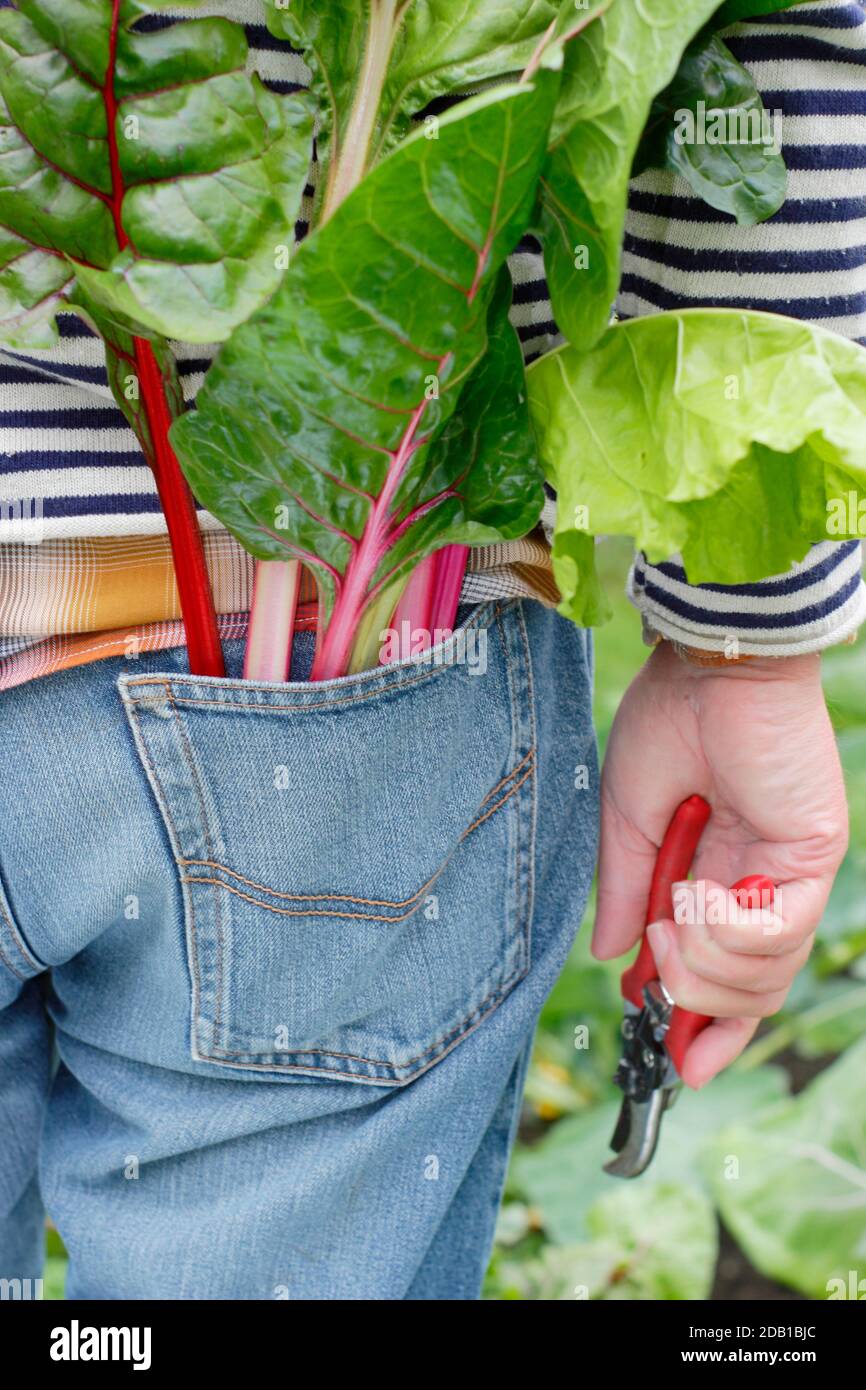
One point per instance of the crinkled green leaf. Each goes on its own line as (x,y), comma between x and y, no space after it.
(33,287)
(148,165)
(612,72)
(791,1183)
(726,152)
(835,1021)
(731,437)
(400,56)
(660,1243)
(669,1237)
(573,555)
(562,1177)
(322,429)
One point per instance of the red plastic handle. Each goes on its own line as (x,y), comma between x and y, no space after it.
(672,866)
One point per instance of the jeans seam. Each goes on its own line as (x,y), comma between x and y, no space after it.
(345,897)
(533,809)
(456,1032)
(31,963)
(189,927)
(381,689)
(7,962)
(310,708)
(360,916)
(219,924)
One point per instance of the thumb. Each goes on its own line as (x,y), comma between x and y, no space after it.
(625,868)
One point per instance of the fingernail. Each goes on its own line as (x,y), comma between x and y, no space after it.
(658,940)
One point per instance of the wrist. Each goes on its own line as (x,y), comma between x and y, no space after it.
(699,663)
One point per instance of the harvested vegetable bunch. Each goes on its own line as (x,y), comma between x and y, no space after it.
(374,411)
(373,414)
(145,183)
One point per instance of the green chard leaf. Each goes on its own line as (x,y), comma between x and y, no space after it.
(149,184)
(325,430)
(612,72)
(148,167)
(710,126)
(376,63)
(735,438)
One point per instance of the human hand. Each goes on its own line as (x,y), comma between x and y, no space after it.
(755,740)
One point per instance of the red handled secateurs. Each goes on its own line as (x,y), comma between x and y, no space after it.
(656,1032)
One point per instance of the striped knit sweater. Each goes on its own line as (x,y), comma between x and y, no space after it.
(65,443)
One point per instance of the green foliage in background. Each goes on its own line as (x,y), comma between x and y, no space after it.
(787,1174)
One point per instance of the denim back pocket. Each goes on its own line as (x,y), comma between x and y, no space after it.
(355,855)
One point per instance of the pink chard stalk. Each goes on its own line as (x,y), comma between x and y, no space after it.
(377,403)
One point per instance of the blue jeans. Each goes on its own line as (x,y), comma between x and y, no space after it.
(272,958)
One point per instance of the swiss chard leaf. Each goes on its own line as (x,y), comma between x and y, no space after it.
(733,438)
(148,183)
(375,63)
(612,72)
(322,433)
(149,166)
(710,126)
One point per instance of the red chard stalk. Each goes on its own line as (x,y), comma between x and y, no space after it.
(374,62)
(147,184)
(381,389)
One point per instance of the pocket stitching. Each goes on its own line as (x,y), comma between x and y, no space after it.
(311,707)
(434,669)
(361,916)
(165,806)
(448,1041)
(533,809)
(344,897)
(7,962)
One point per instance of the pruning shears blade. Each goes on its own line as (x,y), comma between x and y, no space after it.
(646,1074)
(656,1032)
(648,1079)
(636,1136)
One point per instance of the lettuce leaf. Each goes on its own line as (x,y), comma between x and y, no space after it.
(734,438)
(797,1206)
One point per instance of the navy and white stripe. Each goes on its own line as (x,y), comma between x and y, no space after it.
(818,603)
(808,261)
(63,440)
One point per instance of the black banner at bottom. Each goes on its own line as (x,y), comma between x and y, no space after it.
(63,1339)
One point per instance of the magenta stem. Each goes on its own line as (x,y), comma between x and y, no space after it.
(413,613)
(449,582)
(332,657)
(272,620)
